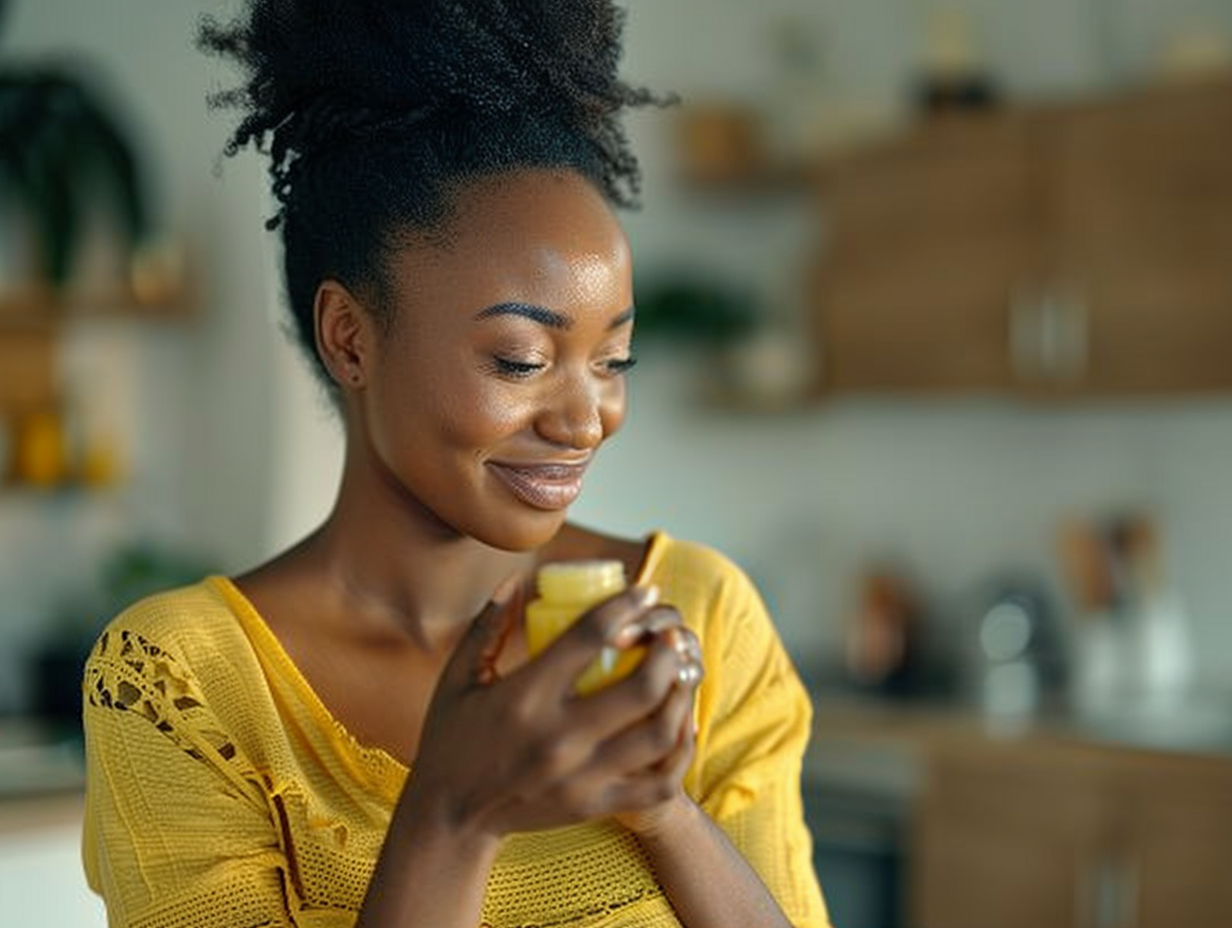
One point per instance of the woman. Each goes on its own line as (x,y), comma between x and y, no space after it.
(352,733)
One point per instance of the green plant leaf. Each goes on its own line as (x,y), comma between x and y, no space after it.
(59,146)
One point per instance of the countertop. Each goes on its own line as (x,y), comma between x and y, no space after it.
(879,747)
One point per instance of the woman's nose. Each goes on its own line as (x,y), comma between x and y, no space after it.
(574,415)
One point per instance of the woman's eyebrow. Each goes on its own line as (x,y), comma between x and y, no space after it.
(539,314)
(623,319)
(544,316)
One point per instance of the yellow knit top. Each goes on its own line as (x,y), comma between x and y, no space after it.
(221,792)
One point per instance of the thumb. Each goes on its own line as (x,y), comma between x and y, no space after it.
(474,658)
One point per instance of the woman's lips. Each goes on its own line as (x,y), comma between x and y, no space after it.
(544,486)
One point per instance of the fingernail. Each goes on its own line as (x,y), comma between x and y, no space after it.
(506,589)
(645,596)
(627,635)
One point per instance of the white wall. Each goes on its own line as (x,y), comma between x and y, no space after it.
(236,454)
(41,881)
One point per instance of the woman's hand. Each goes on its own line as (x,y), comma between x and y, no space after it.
(674,722)
(525,752)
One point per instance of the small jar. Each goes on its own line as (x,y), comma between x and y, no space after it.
(566,590)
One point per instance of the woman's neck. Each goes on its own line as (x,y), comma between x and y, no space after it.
(401,569)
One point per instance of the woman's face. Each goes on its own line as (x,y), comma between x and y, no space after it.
(503,370)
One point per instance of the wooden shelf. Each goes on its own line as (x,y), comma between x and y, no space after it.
(32,320)
(27,368)
(27,309)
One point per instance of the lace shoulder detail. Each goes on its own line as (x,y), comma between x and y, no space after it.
(126,672)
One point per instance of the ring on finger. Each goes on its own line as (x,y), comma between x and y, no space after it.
(685,644)
(689,673)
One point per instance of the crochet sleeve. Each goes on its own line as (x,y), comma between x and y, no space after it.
(754,722)
(177,832)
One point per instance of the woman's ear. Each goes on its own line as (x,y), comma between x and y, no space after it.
(344,334)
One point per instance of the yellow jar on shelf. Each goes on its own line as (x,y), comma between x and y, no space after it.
(40,458)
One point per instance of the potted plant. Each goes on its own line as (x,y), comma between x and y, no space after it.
(62,150)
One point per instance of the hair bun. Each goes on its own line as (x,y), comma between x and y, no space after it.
(319,74)
(402,59)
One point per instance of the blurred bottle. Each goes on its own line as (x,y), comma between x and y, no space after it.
(41,453)
(1097,645)
(1156,622)
(1133,644)
(883,636)
(1195,51)
(953,75)
(96,452)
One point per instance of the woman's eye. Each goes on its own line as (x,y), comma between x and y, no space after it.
(619,365)
(508,367)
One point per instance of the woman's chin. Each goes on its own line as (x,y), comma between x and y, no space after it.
(528,534)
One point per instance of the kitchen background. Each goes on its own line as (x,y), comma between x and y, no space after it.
(915,537)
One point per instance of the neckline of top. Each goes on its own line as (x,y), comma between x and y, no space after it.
(371,759)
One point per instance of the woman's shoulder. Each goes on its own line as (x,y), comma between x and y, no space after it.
(178,649)
(168,620)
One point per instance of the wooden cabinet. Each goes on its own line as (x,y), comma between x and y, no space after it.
(928,239)
(1077,250)
(1177,844)
(1140,235)
(1071,836)
(999,842)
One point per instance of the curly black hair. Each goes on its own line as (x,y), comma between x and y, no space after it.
(372,112)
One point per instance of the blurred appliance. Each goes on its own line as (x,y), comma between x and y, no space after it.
(857,801)
(882,647)
(1016,661)
(1133,650)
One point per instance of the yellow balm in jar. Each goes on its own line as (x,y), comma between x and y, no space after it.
(566,590)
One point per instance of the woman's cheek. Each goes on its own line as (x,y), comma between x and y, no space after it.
(613,408)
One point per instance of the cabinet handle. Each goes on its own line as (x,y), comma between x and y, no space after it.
(1107,891)
(1106,894)
(1025,333)
(1127,893)
(1065,333)
(1049,333)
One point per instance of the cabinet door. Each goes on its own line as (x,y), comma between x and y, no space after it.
(1142,238)
(1180,849)
(1006,839)
(930,239)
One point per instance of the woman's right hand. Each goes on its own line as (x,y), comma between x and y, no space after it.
(524,751)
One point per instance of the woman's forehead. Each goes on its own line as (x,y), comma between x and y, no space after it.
(512,236)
